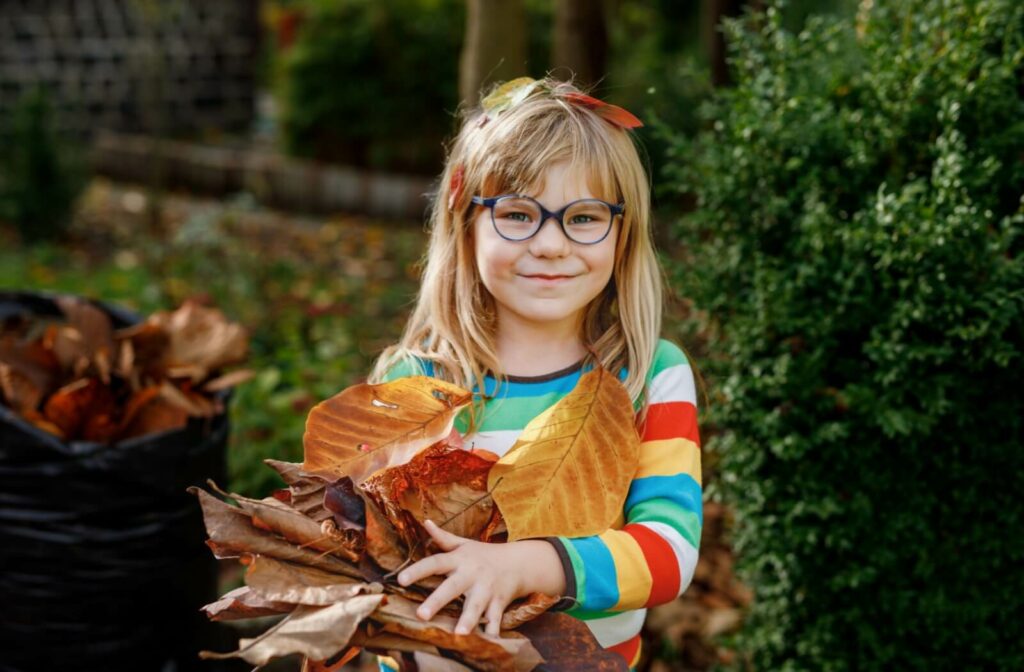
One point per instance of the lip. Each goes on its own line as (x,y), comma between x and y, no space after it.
(548,279)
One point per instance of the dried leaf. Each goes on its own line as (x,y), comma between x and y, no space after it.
(307,490)
(19,392)
(279,581)
(201,337)
(272,515)
(149,411)
(244,602)
(567,644)
(544,483)
(79,406)
(230,379)
(315,632)
(342,500)
(87,337)
(483,652)
(383,543)
(442,484)
(32,360)
(525,610)
(366,428)
(232,533)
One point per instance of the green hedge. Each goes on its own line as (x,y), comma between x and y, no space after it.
(856,256)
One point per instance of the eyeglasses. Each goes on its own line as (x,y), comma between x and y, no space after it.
(586,221)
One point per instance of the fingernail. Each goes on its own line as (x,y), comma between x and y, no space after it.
(423,613)
(403,579)
(462,630)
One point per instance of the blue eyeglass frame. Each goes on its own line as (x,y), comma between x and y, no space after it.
(545,214)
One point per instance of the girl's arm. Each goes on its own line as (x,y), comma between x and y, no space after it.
(650,560)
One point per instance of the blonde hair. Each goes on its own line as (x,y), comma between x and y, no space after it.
(453,324)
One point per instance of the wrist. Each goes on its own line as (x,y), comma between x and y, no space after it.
(540,568)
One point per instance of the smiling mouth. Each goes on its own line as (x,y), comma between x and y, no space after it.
(550,277)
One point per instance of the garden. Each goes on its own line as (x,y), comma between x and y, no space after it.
(838,193)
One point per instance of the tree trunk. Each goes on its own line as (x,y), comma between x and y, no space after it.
(580,40)
(714,40)
(495,46)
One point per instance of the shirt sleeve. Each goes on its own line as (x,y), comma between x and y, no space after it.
(652,558)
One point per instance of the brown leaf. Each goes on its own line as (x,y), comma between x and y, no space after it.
(244,602)
(282,519)
(148,343)
(201,337)
(149,411)
(511,653)
(316,632)
(366,428)
(232,534)
(76,407)
(544,485)
(40,421)
(448,486)
(230,379)
(383,543)
(347,506)
(279,581)
(568,644)
(307,490)
(525,610)
(32,360)
(387,641)
(334,664)
(87,337)
(18,390)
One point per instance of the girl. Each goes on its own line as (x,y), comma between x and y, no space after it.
(540,251)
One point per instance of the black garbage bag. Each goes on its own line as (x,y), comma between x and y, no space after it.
(103,564)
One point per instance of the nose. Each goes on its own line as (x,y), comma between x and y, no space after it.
(550,240)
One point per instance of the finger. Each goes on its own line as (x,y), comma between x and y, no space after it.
(495,610)
(451,588)
(441,563)
(476,601)
(445,539)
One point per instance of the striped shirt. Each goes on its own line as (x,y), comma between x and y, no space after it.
(649,554)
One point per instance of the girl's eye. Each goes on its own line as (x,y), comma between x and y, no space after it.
(517,216)
(581,219)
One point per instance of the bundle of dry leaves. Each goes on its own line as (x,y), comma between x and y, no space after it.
(379,461)
(78,378)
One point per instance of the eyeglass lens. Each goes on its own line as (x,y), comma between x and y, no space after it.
(585,221)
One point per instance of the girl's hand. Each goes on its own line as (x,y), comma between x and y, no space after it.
(489,575)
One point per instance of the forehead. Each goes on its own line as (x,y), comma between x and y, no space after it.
(559,180)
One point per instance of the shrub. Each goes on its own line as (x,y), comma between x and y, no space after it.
(856,256)
(39,177)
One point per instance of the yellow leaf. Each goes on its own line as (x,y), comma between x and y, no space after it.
(366,428)
(569,472)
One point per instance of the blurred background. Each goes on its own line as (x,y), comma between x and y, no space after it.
(838,205)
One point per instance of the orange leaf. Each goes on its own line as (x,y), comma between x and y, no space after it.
(73,405)
(366,428)
(445,485)
(546,484)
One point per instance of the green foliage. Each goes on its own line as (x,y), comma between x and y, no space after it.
(39,178)
(373,84)
(856,257)
(376,84)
